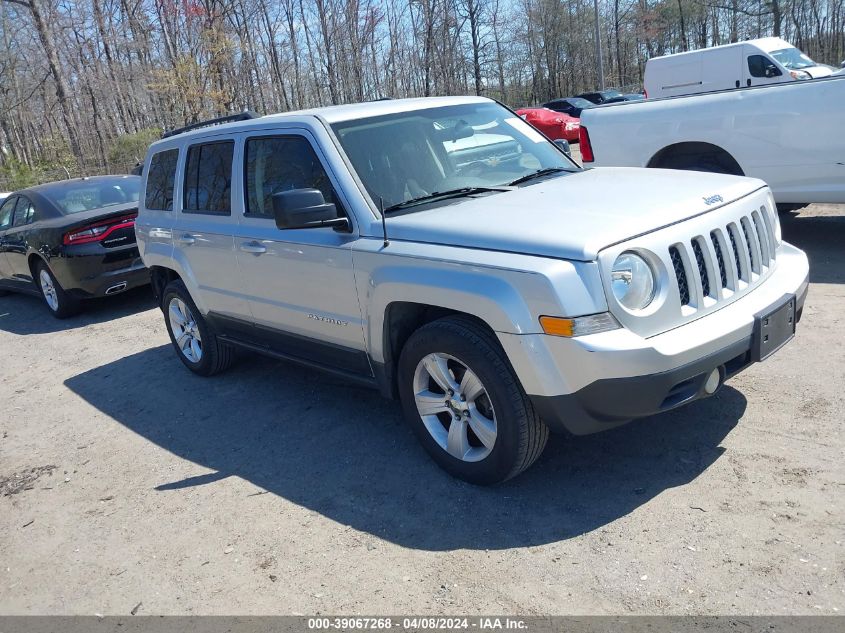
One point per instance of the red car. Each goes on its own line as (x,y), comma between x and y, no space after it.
(555,125)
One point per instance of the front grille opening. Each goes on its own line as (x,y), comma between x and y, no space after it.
(717,246)
(737,364)
(681,392)
(680,275)
(744,224)
(761,237)
(731,233)
(770,232)
(702,267)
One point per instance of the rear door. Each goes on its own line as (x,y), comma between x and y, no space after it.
(300,281)
(7,215)
(17,240)
(203,241)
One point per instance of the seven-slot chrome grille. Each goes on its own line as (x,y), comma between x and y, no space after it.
(701,264)
(728,258)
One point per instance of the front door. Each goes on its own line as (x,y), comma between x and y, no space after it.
(300,281)
(760,69)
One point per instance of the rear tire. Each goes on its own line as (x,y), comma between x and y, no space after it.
(60,304)
(498,433)
(196,344)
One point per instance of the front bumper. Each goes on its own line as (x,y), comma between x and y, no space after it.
(591,383)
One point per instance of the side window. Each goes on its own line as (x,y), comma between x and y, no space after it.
(24,212)
(208,178)
(762,66)
(6,212)
(162,174)
(279,164)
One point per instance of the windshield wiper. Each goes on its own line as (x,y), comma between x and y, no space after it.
(444,195)
(537,174)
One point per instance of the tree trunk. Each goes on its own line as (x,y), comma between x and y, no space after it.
(46,38)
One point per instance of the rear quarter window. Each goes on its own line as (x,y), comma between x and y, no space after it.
(7,211)
(158,195)
(24,212)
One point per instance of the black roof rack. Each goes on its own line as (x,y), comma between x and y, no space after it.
(246,115)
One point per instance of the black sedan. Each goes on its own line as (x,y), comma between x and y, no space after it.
(569,105)
(71,240)
(600,96)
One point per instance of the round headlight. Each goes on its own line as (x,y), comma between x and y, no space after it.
(632,281)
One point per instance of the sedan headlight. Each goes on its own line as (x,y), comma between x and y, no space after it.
(632,281)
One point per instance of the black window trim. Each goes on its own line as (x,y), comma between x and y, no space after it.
(175,177)
(767,63)
(14,199)
(14,224)
(225,140)
(341,210)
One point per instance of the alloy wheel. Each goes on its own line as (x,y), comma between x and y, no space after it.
(185,330)
(455,407)
(48,289)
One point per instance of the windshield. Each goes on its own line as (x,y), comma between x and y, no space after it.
(412,155)
(85,195)
(792,58)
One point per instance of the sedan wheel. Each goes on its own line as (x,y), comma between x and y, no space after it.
(48,289)
(185,331)
(61,304)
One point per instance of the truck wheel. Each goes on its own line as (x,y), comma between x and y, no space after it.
(466,405)
(195,343)
(58,301)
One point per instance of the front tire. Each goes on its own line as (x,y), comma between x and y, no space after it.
(60,304)
(196,344)
(465,403)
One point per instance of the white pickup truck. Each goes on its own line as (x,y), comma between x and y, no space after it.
(790,135)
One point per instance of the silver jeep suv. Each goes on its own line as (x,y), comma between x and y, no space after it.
(446,253)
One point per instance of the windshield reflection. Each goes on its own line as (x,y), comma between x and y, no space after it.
(411,156)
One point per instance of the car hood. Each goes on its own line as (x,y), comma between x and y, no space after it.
(573,216)
(817,72)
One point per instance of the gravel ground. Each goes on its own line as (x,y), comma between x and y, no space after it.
(130,485)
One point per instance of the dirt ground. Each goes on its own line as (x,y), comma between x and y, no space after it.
(128,485)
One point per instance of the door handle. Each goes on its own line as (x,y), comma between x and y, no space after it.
(253,247)
(187,239)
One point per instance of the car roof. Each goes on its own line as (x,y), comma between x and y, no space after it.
(766,44)
(333,114)
(56,185)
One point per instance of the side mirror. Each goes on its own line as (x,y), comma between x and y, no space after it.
(304,209)
(563,145)
(772,71)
